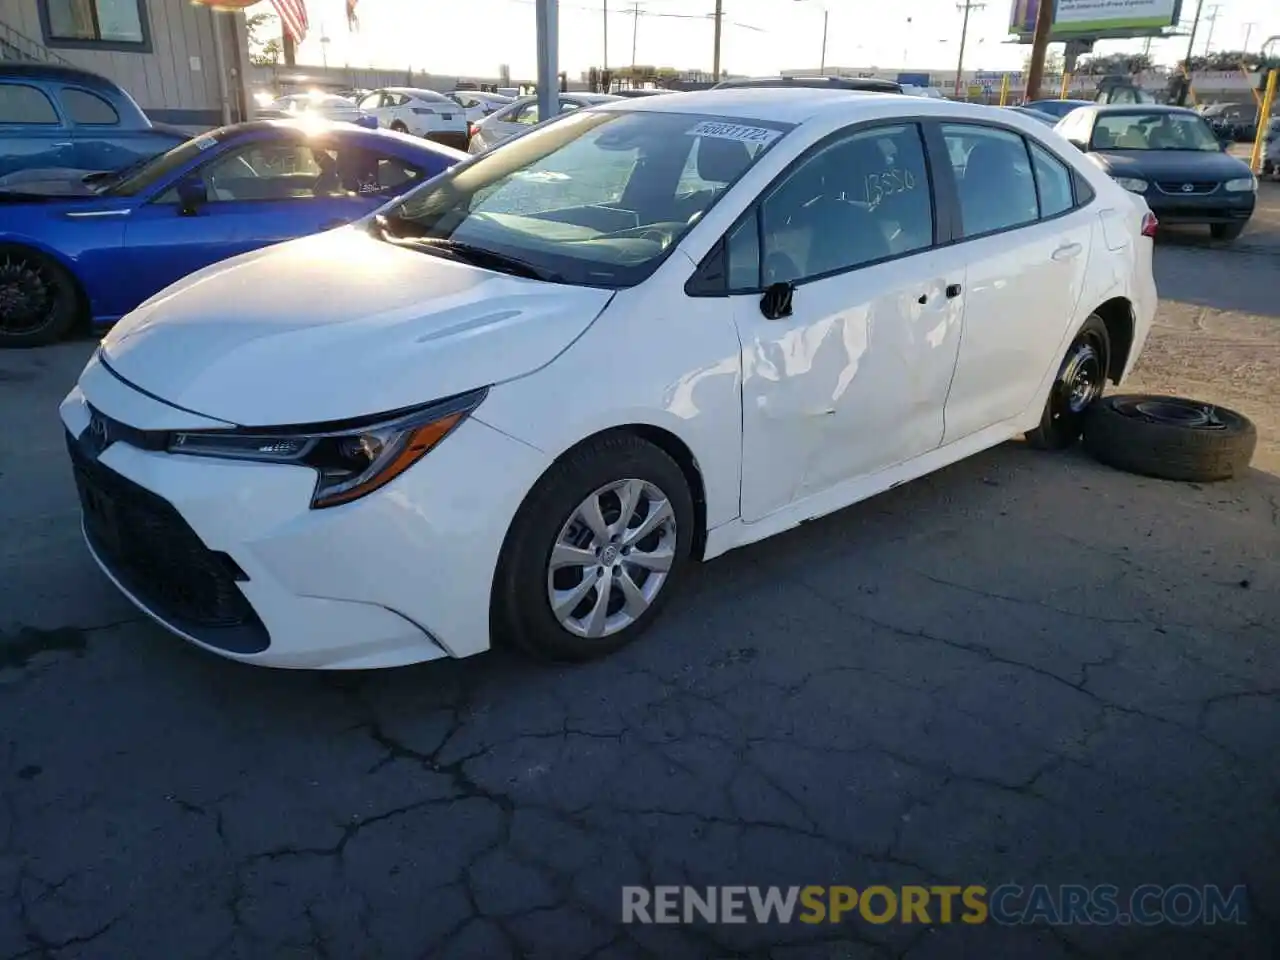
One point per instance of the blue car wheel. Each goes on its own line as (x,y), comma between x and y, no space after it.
(39,303)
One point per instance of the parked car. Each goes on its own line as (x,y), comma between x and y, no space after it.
(478,104)
(1171,157)
(92,258)
(1045,118)
(520,402)
(58,120)
(317,106)
(865,84)
(1056,108)
(422,113)
(633,92)
(520,115)
(1232,121)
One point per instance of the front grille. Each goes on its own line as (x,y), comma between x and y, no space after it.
(159,559)
(1178,187)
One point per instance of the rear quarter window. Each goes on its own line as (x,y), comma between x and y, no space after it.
(22,103)
(86,108)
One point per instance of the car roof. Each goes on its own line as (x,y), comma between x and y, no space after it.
(782,104)
(1105,109)
(350,130)
(414,91)
(48,71)
(1057,100)
(820,83)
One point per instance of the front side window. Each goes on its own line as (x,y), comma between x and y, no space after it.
(994,182)
(87,108)
(372,102)
(275,170)
(526,114)
(20,103)
(90,21)
(593,199)
(858,200)
(1157,130)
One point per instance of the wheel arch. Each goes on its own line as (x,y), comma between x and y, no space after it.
(1118,317)
(22,245)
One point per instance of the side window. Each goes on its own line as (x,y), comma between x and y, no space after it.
(272,171)
(994,181)
(567,105)
(742,249)
(1053,181)
(860,199)
(87,108)
(372,102)
(365,172)
(20,103)
(526,114)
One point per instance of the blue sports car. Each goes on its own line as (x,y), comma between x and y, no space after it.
(93,248)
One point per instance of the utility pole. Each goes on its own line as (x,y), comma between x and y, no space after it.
(606,35)
(1039,47)
(967,6)
(635,22)
(1186,64)
(1248,32)
(715,56)
(1212,17)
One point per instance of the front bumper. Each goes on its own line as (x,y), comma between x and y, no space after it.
(1216,207)
(401,576)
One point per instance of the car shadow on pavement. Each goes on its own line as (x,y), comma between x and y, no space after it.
(1026,668)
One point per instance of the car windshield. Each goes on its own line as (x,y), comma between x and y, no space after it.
(1153,131)
(598,198)
(158,168)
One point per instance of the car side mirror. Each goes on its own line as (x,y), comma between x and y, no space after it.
(776,302)
(193,193)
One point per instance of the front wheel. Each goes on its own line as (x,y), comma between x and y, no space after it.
(1080,381)
(39,304)
(1225,231)
(399,127)
(597,548)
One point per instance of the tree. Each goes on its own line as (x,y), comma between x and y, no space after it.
(1110,64)
(1053,64)
(264,53)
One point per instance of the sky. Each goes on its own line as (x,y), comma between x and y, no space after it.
(472,37)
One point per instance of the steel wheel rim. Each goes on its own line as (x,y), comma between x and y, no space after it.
(612,558)
(1080,380)
(26,302)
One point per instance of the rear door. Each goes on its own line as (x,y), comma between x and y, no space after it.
(1027,244)
(33,134)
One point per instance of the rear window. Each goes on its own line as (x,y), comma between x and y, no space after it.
(20,103)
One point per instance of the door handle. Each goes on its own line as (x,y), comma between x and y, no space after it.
(1067,251)
(952,291)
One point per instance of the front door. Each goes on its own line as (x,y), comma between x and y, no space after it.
(854,378)
(260,193)
(1026,266)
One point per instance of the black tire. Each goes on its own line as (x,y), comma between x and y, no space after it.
(1062,420)
(1171,438)
(1226,231)
(39,300)
(521,610)
(399,127)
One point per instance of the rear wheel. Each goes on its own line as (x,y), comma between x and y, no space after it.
(1225,231)
(597,548)
(39,303)
(1080,381)
(399,127)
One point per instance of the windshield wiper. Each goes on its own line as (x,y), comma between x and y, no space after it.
(477,256)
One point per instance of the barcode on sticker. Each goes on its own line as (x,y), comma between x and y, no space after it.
(734,131)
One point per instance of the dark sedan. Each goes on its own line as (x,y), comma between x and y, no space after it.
(1057,108)
(1171,156)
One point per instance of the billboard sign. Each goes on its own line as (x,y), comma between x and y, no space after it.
(1093,17)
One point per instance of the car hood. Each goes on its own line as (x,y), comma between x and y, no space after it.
(340,325)
(1172,164)
(50,182)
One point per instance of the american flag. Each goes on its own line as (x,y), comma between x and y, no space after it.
(293,14)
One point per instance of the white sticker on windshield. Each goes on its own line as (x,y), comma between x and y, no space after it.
(204,143)
(734,131)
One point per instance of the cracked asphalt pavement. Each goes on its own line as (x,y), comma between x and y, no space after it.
(1026,668)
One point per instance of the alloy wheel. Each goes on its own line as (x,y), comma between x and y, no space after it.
(26,300)
(611,558)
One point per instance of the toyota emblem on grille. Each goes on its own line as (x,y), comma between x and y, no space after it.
(1188,187)
(99,434)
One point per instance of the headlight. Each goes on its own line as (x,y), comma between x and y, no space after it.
(1132,184)
(1241,184)
(351,459)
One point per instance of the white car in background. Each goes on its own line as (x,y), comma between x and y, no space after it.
(478,104)
(521,114)
(522,401)
(420,113)
(322,106)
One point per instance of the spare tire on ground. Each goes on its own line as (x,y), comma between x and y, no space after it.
(1172,438)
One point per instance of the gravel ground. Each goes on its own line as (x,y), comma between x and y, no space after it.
(1024,668)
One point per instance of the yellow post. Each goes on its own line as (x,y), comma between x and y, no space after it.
(1004,89)
(1066,85)
(1268,101)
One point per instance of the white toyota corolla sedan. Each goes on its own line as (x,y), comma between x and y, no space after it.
(519,402)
